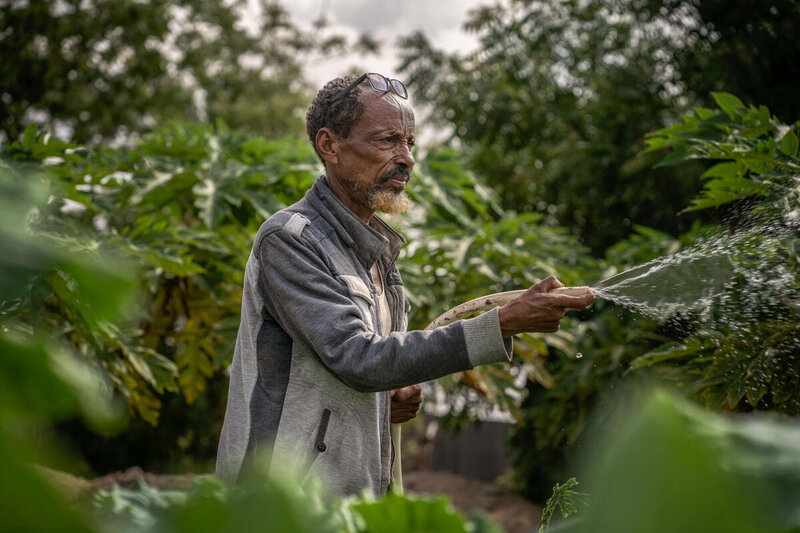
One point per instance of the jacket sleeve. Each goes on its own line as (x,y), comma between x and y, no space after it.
(316,309)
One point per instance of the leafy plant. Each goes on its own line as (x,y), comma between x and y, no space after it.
(41,379)
(45,379)
(744,357)
(740,354)
(465,245)
(182,207)
(183,204)
(668,465)
(212,506)
(565,500)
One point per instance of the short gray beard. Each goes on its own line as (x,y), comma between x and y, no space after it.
(388,201)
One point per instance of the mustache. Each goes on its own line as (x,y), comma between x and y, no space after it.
(404,172)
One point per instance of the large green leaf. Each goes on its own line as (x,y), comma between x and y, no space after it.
(400,514)
(674,467)
(25,495)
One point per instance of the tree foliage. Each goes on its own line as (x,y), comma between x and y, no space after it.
(102,69)
(748,51)
(553,106)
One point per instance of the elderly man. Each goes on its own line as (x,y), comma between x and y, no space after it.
(323,362)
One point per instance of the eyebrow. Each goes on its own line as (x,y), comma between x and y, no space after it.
(389,132)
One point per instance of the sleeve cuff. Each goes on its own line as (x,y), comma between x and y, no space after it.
(485,343)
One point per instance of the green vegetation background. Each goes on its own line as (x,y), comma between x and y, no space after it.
(124,247)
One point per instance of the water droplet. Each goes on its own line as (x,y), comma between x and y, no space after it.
(578,355)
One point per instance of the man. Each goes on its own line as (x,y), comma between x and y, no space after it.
(323,341)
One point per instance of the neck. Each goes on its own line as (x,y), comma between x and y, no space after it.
(340,190)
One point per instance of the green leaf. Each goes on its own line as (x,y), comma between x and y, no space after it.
(29,137)
(169,263)
(732,106)
(675,467)
(728,169)
(789,144)
(764,114)
(679,154)
(565,500)
(666,352)
(396,513)
(140,366)
(210,201)
(758,166)
(704,113)
(720,191)
(24,494)
(102,284)
(657,143)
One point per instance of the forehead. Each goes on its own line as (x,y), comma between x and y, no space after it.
(385,111)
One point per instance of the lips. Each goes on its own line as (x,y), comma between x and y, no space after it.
(397,178)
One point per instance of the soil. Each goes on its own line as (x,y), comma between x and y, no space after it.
(503,505)
(512,512)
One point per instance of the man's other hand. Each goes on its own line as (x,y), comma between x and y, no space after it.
(537,309)
(405,403)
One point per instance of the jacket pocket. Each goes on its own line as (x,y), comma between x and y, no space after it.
(318,444)
(360,294)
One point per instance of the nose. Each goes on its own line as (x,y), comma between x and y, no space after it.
(403,156)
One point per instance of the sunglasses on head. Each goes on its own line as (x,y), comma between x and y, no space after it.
(379,83)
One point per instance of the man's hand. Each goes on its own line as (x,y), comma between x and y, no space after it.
(405,403)
(536,310)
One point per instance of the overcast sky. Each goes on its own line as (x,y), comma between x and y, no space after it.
(441,20)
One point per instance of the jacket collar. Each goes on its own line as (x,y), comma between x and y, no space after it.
(368,241)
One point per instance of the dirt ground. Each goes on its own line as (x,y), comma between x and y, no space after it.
(514,513)
(503,505)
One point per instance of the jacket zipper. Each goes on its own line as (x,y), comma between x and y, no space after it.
(320,445)
(319,442)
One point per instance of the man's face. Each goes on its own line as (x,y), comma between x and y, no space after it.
(375,161)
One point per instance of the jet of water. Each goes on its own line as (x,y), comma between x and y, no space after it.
(698,278)
(677,283)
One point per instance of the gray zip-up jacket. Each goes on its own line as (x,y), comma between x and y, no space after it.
(310,377)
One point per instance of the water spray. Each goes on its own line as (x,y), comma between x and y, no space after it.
(657,288)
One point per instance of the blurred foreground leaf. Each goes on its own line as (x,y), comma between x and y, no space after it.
(675,467)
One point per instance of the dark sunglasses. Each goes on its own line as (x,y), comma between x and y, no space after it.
(379,83)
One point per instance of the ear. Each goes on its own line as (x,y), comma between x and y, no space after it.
(327,144)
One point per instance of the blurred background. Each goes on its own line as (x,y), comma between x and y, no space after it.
(143,143)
